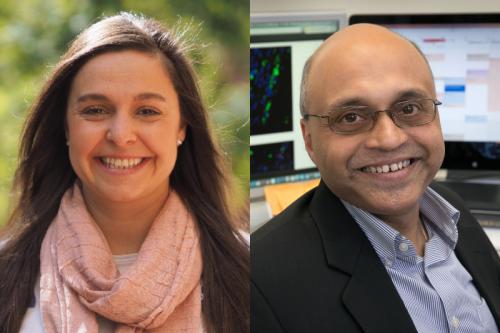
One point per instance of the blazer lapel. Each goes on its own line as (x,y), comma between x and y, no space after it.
(478,263)
(370,295)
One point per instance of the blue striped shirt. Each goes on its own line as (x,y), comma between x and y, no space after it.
(436,289)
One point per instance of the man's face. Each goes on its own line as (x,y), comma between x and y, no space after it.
(375,74)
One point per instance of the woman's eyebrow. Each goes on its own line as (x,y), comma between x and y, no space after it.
(103,98)
(92,96)
(150,95)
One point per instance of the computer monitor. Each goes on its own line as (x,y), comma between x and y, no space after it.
(463,51)
(280,44)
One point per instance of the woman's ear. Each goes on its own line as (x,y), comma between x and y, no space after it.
(181,135)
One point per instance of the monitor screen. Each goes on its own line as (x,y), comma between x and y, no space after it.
(464,54)
(279,48)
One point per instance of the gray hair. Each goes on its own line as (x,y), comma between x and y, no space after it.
(303,85)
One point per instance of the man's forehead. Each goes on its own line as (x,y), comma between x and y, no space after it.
(368,39)
(369,61)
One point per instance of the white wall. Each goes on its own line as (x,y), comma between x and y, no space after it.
(376,6)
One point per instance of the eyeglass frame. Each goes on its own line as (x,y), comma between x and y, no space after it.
(373,115)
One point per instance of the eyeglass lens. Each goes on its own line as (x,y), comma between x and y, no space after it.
(361,118)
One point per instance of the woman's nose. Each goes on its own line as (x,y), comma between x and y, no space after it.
(121,130)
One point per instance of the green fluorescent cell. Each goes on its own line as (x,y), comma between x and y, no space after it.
(268,106)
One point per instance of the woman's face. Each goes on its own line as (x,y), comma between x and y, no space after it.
(123,125)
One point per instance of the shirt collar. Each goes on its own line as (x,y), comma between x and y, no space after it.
(438,212)
(381,235)
(441,214)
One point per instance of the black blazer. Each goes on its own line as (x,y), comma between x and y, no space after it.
(314,270)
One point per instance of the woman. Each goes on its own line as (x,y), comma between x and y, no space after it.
(122,218)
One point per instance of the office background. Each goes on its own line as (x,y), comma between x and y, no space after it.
(486,194)
(381,6)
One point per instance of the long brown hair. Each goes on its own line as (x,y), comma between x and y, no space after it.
(199,176)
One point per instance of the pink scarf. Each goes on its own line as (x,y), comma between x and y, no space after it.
(160,292)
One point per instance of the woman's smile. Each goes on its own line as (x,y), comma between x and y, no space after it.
(122,165)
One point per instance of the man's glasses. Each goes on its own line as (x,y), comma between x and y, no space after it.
(358,119)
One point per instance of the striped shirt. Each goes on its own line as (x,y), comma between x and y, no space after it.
(436,289)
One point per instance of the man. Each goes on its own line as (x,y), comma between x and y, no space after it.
(373,248)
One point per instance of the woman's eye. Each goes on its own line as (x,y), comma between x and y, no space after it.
(94,111)
(148,112)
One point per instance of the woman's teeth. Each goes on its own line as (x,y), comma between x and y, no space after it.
(116,163)
(387,167)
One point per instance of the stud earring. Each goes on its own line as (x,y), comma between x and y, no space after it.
(67,143)
(179,142)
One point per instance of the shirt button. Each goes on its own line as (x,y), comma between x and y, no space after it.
(403,247)
(388,263)
(455,322)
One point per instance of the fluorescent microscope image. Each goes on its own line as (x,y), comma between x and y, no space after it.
(271,158)
(270,90)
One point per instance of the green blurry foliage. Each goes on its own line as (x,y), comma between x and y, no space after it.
(35,33)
